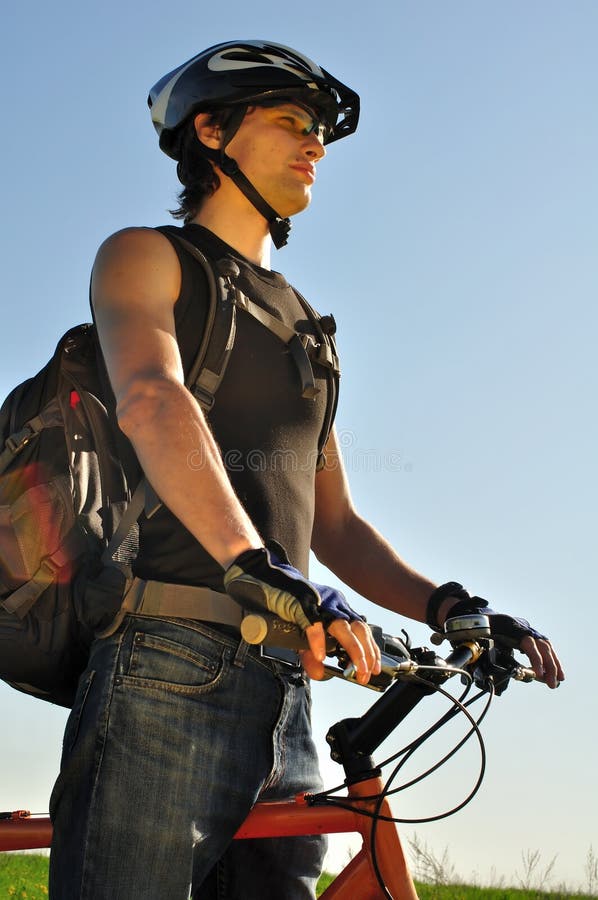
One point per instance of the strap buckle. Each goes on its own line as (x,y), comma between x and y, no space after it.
(281,654)
(18,441)
(205,399)
(319,352)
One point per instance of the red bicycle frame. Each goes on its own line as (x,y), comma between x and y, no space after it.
(291,818)
(352,740)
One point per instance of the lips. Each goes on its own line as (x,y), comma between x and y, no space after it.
(307,170)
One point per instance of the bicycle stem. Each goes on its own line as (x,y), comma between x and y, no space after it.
(352,741)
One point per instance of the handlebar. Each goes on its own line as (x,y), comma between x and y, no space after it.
(469,637)
(408,675)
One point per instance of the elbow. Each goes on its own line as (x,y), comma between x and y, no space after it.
(144,403)
(328,551)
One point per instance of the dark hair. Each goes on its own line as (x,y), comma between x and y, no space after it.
(194,170)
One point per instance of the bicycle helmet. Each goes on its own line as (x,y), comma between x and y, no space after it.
(238,74)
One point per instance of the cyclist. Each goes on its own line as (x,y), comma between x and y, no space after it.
(179,726)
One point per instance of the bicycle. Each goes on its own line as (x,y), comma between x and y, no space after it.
(379,871)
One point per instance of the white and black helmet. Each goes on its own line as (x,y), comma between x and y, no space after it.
(239,72)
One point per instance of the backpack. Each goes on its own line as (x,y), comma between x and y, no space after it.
(71,492)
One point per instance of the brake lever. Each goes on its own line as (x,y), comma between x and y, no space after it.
(390,669)
(394,659)
(499,666)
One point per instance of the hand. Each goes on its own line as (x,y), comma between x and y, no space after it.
(264,579)
(544,660)
(452,600)
(355,637)
(516,633)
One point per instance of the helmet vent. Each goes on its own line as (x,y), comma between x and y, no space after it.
(244,56)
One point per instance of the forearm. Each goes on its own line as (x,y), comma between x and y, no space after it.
(182,462)
(358,554)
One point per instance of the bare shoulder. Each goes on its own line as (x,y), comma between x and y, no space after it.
(133,241)
(136,264)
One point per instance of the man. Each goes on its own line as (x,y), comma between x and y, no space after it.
(179,726)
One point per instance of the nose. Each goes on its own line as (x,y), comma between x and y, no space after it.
(313,146)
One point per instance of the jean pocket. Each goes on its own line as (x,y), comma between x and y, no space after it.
(161,663)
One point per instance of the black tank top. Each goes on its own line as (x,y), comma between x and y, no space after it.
(267,432)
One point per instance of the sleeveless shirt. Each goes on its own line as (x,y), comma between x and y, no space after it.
(266,431)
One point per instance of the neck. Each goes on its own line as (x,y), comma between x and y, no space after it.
(238,224)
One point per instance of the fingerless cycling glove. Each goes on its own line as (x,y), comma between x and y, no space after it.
(507,630)
(264,579)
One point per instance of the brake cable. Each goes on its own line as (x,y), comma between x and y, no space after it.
(406,753)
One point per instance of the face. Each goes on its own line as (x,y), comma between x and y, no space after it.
(277,148)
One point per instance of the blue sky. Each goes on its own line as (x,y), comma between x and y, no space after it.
(454,237)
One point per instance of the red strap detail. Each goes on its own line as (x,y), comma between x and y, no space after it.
(74,399)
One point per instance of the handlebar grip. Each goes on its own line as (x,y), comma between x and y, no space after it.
(523,673)
(262,628)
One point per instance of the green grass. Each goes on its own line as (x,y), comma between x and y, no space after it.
(461,892)
(25,877)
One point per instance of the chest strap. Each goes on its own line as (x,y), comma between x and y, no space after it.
(288,336)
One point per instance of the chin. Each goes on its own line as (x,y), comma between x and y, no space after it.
(300,204)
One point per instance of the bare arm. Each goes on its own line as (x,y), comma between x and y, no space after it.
(363,559)
(135,283)
(355,551)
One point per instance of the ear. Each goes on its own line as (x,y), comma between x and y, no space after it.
(207,132)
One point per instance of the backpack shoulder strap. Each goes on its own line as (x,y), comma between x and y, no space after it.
(324,353)
(211,359)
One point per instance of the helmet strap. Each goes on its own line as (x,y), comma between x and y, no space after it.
(279,227)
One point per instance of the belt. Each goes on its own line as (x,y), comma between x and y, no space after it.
(185,601)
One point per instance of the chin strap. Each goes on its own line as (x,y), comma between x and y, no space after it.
(279,227)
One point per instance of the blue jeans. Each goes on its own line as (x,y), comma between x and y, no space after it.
(176,731)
